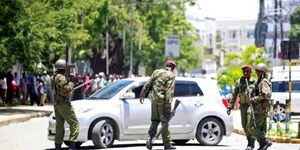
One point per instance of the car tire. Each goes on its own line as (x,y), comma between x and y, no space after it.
(282,113)
(103,134)
(210,131)
(180,142)
(77,144)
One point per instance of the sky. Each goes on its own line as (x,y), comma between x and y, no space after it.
(226,9)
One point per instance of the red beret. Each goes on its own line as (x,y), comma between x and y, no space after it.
(247,67)
(170,62)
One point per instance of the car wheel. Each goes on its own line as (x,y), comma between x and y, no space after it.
(77,144)
(103,134)
(210,131)
(180,142)
(282,113)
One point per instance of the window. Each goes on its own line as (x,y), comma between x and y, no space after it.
(138,89)
(250,34)
(181,90)
(296,86)
(195,90)
(279,86)
(187,88)
(233,34)
(110,90)
(283,86)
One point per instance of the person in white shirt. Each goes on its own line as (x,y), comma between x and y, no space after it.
(3,87)
(94,86)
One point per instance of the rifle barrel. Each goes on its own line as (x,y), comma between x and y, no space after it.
(83,84)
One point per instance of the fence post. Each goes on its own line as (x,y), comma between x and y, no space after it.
(278,116)
(287,118)
(298,130)
(271,115)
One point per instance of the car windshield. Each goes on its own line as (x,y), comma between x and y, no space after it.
(282,86)
(110,90)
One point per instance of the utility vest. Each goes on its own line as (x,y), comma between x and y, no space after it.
(63,88)
(243,91)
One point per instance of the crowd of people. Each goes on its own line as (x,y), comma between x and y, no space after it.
(99,81)
(30,88)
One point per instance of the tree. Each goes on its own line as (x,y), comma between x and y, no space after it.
(250,55)
(160,21)
(294,33)
(35,32)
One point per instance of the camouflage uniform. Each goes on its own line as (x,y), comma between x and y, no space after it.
(261,108)
(63,108)
(241,91)
(161,85)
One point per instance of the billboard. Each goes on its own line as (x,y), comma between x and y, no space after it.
(172,46)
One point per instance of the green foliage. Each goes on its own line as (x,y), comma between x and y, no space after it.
(35,32)
(159,22)
(294,33)
(250,55)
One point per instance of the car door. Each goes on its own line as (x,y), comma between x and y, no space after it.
(136,116)
(190,96)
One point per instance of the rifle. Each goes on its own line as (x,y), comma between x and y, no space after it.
(83,84)
(250,104)
(177,102)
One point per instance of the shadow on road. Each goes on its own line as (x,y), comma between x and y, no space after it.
(155,146)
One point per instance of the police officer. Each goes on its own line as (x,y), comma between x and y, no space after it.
(161,86)
(261,107)
(62,106)
(243,86)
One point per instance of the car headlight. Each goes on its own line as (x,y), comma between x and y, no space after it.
(82,110)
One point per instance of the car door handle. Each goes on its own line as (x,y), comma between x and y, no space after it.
(198,104)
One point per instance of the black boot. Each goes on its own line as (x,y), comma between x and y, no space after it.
(72,146)
(149,142)
(251,142)
(264,144)
(57,146)
(169,146)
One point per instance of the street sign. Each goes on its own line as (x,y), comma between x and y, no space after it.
(172,46)
(290,49)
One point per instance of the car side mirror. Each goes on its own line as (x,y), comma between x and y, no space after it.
(128,95)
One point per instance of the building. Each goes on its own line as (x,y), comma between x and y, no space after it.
(206,30)
(218,37)
(233,34)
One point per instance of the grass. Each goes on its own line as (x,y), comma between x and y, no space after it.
(281,132)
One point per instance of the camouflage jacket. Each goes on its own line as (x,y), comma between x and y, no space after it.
(263,94)
(63,88)
(161,86)
(241,91)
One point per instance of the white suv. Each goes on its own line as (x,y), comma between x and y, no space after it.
(115,113)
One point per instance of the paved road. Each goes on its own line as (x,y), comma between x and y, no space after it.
(32,135)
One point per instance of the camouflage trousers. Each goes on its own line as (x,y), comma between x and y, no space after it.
(258,131)
(64,112)
(244,118)
(157,111)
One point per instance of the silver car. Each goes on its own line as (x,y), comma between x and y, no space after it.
(115,113)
